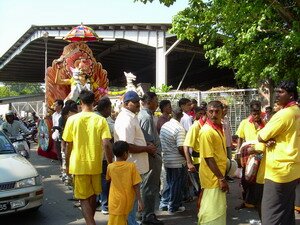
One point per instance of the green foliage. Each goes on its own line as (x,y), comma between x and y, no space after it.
(259,39)
(165,2)
(163,89)
(16,89)
(6,92)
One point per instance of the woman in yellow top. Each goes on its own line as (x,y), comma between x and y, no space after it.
(124,186)
(247,132)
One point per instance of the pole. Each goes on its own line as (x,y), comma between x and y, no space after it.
(187,69)
(45,37)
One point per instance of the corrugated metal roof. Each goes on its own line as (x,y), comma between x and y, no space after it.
(24,61)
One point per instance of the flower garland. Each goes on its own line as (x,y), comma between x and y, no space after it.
(114,93)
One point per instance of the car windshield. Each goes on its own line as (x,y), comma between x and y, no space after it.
(5,146)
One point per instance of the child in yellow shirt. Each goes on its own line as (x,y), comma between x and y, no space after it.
(124,187)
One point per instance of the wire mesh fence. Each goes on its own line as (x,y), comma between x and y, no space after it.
(238,101)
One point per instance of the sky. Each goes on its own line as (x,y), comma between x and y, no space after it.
(17,16)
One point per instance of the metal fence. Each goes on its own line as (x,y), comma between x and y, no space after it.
(238,101)
(22,108)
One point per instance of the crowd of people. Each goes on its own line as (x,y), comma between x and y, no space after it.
(157,159)
(128,164)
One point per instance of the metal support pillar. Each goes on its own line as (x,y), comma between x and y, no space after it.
(161,65)
(45,36)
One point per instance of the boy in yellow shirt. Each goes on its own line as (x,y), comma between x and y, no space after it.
(125,185)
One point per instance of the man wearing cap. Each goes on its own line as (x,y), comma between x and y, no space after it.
(282,137)
(127,128)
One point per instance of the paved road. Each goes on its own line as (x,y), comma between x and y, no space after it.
(58,207)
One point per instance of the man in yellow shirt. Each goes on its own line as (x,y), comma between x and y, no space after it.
(87,135)
(297,200)
(191,141)
(247,132)
(191,146)
(282,135)
(213,153)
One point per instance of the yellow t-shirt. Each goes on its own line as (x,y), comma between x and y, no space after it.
(86,130)
(191,136)
(283,159)
(248,132)
(192,141)
(212,144)
(123,175)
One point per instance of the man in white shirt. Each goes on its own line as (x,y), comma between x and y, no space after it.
(127,128)
(186,121)
(56,129)
(186,106)
(228,136)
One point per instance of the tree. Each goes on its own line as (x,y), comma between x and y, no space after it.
(259,39)
(16,89)
(6,92)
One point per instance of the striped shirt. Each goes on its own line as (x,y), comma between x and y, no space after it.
(172,135)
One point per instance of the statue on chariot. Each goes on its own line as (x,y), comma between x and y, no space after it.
(75,70)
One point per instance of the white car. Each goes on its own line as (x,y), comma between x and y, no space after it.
(21,186)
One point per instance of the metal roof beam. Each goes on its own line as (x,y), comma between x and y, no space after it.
(17,51)
(172,47)
(145,37)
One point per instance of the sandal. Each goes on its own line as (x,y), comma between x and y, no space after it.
(241,206)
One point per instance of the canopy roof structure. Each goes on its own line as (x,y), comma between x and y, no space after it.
(146,50)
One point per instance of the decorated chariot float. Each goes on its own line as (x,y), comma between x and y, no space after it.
(75,70)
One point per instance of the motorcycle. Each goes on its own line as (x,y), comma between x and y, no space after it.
(21,146)
(32,127)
